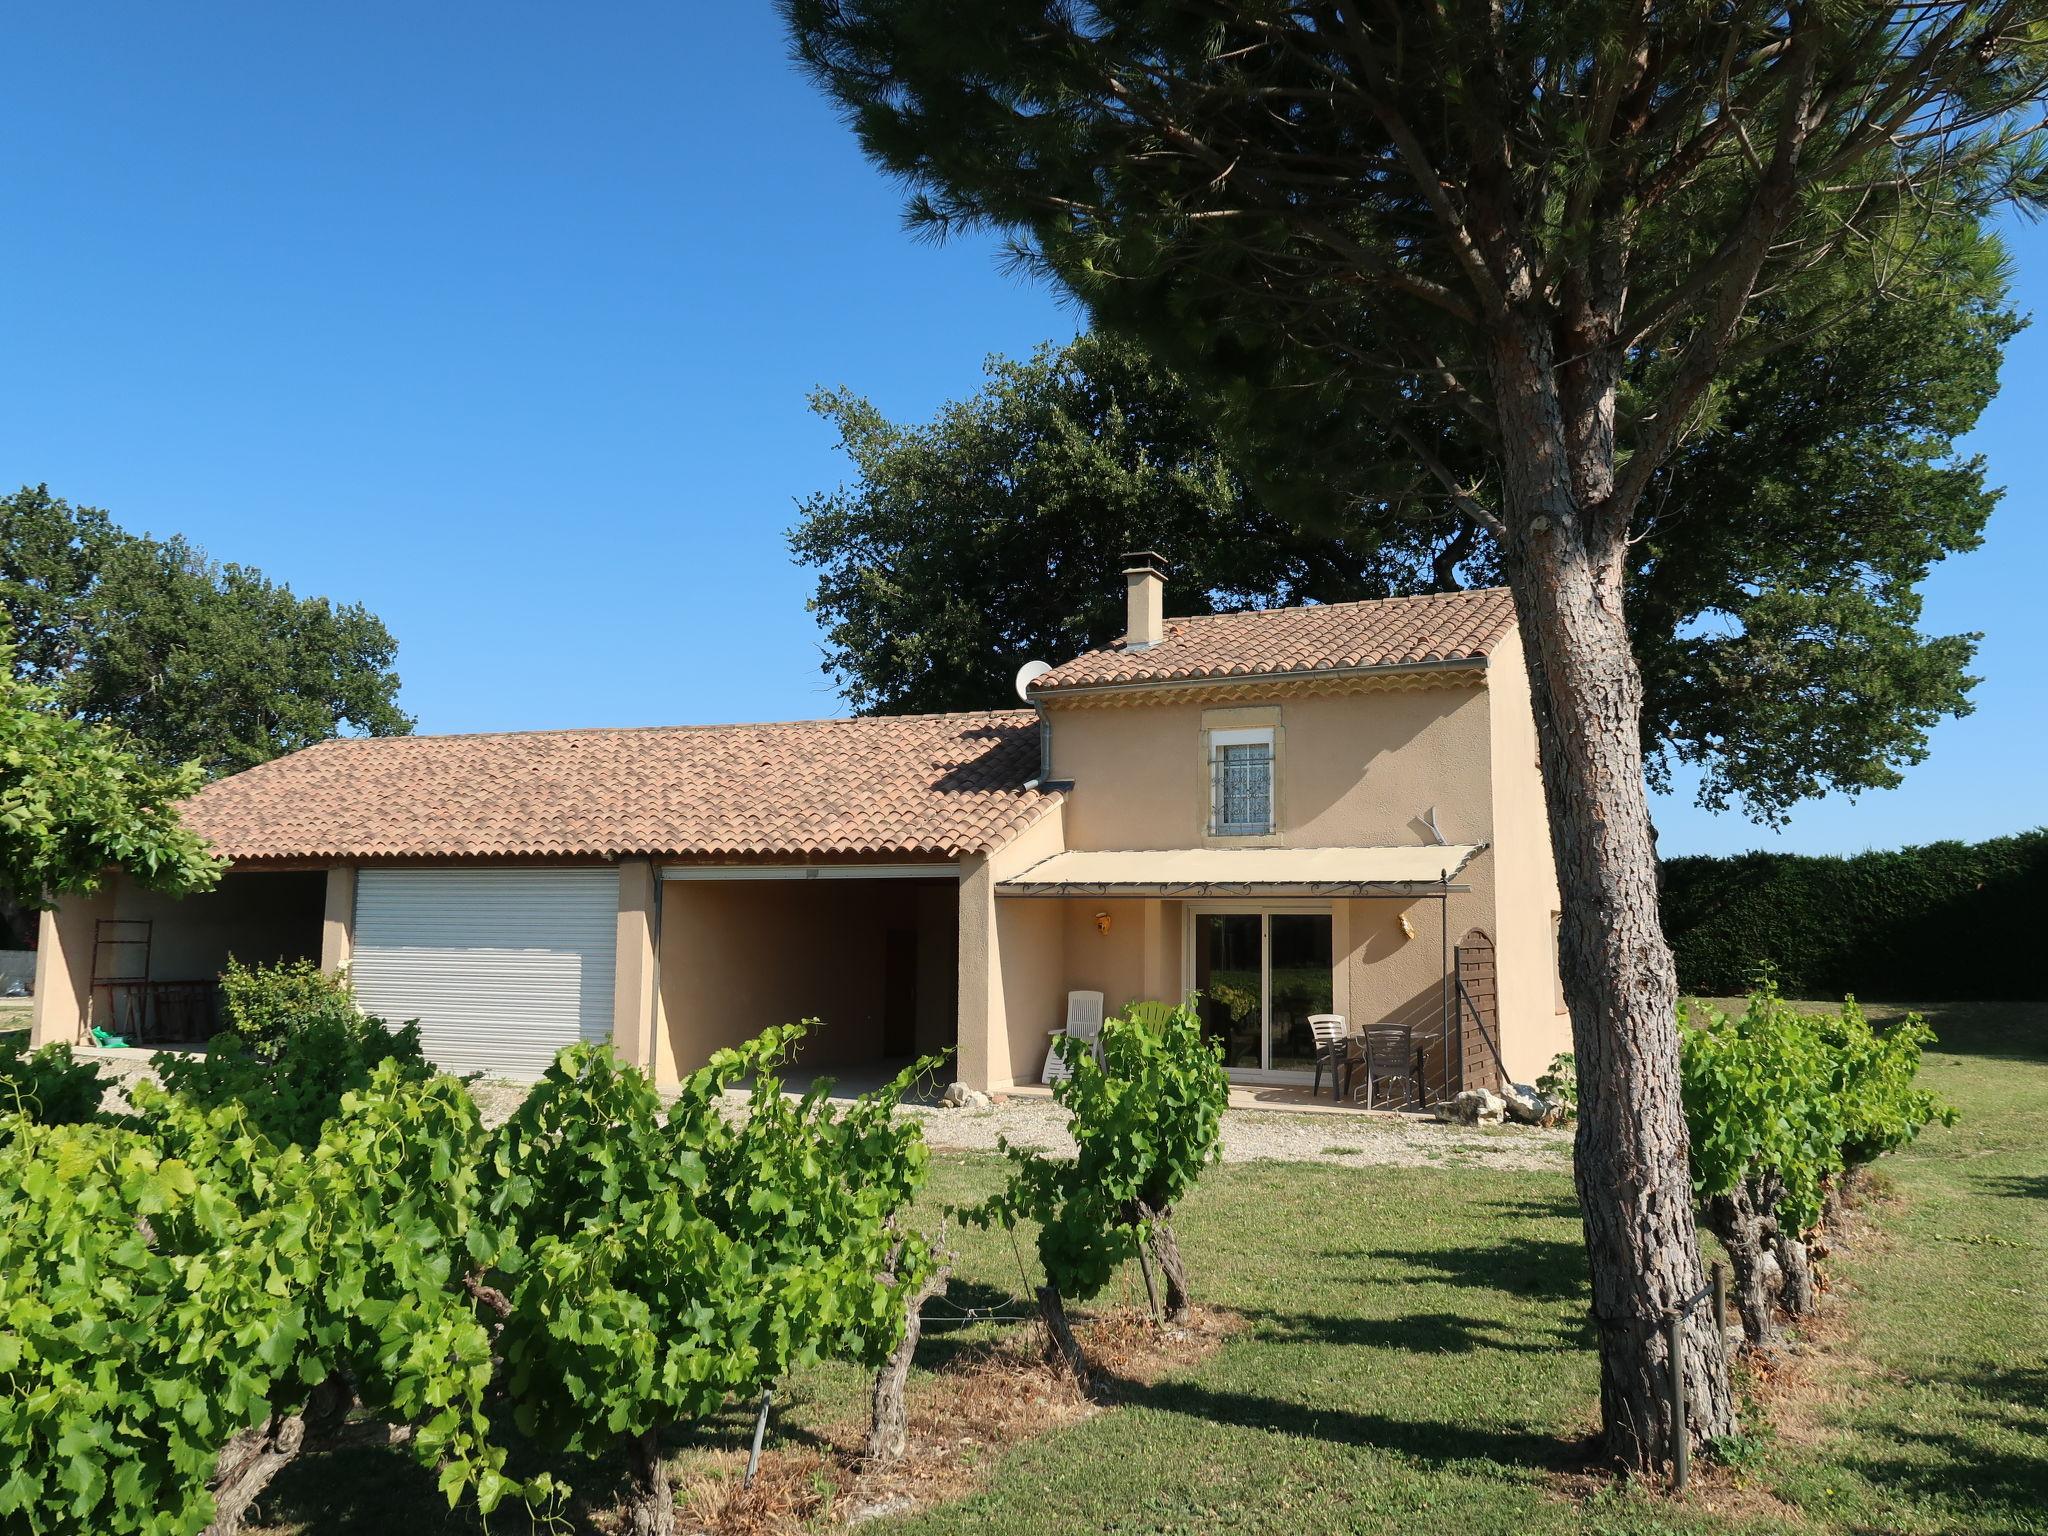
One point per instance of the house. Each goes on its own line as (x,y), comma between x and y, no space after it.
(1294,811)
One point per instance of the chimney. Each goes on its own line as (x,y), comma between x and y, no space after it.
(1144,599)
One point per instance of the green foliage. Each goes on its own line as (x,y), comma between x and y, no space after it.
(192,660)
(262,1005)
(1760,1094)
(1792,471)
(1780,650)
(295,1044)
(995,532)
(1939,920)
(47,1085)
(165,1287)
(289,1092)
(1795,1098)
(126,1367)
(1883,1108)
(1147,1119)
(74,800)
(1560,1083)
(657,1266)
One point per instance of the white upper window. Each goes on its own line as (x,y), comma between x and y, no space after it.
(1241,783)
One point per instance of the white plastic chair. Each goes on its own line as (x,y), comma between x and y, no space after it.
(1084,1022)
(1332,1047)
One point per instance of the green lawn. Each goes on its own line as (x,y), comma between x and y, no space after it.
(1413,1357)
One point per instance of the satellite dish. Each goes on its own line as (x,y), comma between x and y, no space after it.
(1028,674)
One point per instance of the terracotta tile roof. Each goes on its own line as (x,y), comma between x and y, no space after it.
(1325,637)
(929,785)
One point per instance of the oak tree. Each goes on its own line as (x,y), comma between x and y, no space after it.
(191,659)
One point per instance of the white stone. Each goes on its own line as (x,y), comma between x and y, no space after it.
(883,1508)
(1475,1106)
(1526,1105)
(960,1096)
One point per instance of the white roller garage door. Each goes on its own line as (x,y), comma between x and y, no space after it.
(502,967)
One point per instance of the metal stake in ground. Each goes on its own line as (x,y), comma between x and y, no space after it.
(1681,1441)
(760,1434)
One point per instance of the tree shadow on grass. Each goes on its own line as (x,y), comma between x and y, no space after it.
(1526,1267)
(2021,1186)
(1995,1467)
(2000,1031)
(1431,1441)
(1421,1333)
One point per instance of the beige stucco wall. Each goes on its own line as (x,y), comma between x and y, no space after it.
(740,955)
(64,942)
(633,964)
(1009,961)
(1138,959)
(1353,769)
(1534,1027)
(338,920)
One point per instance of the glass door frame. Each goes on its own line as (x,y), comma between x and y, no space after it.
(1195,911)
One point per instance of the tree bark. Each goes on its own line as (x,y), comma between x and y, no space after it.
(889,1415)
(650,1499)
(1061,1345)
(1798,1298)
(250,1461)
(1166,1249)
(1743,1232)
(1566,547)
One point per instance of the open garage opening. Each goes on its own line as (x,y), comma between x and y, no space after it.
(875,960)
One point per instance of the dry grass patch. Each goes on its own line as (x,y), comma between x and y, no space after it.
(962,1419)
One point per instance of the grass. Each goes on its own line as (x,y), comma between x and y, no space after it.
(1413,1356)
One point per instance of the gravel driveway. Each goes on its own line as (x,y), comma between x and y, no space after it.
(1377,1138)
(1261,1135)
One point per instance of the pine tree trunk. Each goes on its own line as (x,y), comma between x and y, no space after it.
(1565,553)
(1061,1344)
(650,1499)
(1741,1228)
(889,1414)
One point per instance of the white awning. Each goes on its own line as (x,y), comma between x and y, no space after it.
(1405,871)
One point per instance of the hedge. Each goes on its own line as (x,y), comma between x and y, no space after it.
(1944,920)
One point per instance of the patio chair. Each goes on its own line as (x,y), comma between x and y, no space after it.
(1333,1050)
(1390,1058)
(1151,1013)
(1084,1022)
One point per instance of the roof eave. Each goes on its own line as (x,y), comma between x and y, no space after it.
(1239,679)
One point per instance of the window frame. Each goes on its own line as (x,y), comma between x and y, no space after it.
(1262,736)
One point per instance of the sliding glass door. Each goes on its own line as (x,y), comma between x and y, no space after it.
(1261,974)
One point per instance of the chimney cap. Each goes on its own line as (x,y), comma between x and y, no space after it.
(1139,561)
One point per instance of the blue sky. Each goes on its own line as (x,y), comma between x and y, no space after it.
(500,320)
